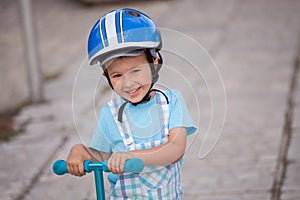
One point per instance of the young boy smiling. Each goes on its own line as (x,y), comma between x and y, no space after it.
(140,122)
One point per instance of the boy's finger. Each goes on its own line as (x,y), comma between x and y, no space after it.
(70,169)
(109,164)
(73,169)
(117,165)
(122,163)
(81,170)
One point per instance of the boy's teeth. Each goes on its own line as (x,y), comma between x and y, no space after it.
(133,91)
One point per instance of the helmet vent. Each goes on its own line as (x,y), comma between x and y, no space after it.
(132,13)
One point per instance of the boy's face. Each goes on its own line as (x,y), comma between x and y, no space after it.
(131,77)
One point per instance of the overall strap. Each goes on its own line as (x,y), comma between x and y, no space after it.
(124,127)
(163,103)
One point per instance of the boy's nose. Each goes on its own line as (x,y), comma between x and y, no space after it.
(127,81)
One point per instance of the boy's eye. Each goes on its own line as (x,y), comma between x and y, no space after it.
(136,70)
(116,75)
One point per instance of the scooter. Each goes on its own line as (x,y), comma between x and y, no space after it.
(134,166)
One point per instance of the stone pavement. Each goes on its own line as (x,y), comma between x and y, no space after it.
(255,45)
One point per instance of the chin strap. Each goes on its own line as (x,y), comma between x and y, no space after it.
(144,100)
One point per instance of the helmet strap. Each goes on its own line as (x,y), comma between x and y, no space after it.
(154,69)
(107,77)
(122,107)
(154,73)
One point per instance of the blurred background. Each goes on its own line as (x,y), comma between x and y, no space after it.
(50,97)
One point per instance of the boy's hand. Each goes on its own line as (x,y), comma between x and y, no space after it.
(117,160)
(77,156)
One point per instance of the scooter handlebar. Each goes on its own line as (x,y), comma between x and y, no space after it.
(134,165)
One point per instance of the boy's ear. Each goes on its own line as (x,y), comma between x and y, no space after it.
(156,62)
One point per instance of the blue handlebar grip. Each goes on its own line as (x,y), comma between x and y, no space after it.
(134,165)
(60,167)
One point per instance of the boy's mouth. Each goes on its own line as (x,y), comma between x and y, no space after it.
(133,92)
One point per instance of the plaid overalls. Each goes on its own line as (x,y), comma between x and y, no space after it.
(154,182)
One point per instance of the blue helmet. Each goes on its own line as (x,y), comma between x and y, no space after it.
(119,32)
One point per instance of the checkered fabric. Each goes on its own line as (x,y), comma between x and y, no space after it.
(154,182)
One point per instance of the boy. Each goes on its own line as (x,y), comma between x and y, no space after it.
(140,122)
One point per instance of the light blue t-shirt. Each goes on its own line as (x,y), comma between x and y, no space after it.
(144,122)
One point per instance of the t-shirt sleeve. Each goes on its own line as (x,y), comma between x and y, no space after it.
(99,140)
(179,113)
